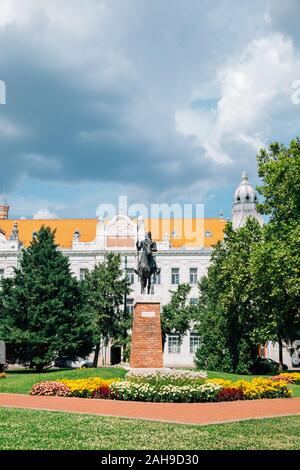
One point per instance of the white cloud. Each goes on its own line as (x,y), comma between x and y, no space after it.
(44,214)
(253,90)
(10,130)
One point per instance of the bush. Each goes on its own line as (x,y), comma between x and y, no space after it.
(2,375)
(50,389)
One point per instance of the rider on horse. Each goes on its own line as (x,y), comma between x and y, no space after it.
(148,247)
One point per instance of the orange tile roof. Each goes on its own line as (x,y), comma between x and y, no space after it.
(188,231)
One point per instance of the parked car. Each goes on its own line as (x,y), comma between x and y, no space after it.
(3,364)
(266,365)
(296,357)
(65,362)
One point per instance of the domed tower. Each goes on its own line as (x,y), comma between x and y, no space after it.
(4,207)
(244,204)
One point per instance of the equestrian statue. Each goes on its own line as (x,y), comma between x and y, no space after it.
(147,269)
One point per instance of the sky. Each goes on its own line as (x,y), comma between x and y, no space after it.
(165,102)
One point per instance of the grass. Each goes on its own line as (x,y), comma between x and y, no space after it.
(21,381)
(44,430)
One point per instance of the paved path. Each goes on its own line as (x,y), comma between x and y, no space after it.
(190,413)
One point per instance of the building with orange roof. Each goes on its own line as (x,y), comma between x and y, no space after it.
(184,250)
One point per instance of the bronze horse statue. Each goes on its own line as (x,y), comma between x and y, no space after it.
(147,268)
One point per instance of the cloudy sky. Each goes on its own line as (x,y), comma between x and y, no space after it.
(163,101)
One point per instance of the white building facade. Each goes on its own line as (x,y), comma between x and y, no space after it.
(179,262)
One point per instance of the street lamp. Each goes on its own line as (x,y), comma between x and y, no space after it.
(125,293)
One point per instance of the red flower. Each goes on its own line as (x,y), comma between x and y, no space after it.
(230,394)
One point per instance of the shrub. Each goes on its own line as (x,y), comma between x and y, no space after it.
(50,389)
(230,394)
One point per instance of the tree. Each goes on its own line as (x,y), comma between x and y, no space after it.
(277,261)
(279,168)
(275,265)
(226,314)
(42,314)
(177,315)
(105,287)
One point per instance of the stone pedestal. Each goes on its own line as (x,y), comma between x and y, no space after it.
(146,343)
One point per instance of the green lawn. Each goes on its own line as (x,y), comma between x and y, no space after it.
(21,381)
(31,429)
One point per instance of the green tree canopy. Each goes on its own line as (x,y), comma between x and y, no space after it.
(279,168)
(42,310)
(226,314)
(105,287)
(177,315)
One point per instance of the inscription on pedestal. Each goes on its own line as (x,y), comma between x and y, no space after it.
(148,314)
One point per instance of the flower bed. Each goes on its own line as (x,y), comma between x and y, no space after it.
(157,386)
(166,377)
(50,389)
(134,391)
(83,388)
(93,387)
(257,388)
(289,377)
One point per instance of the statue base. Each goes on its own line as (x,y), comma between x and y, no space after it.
(146,343)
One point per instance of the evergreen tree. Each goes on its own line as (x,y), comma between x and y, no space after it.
(105,287)
(42,314)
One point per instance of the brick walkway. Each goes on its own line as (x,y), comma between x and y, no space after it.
(190,413)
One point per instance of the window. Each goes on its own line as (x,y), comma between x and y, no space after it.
(173,344)
(208,233)
(130,306)
(175,276)
(83,273)
(194,342)
(193,301)
(157,279)
(193,275)
(130,275)
(1,274)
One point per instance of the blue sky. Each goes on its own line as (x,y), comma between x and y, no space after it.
(165,102)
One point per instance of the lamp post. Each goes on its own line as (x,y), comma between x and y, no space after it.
(125,302)
(125,293)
